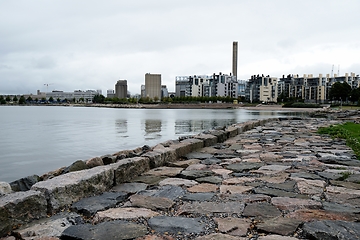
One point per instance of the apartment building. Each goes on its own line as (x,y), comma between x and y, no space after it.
(121,89)
(219,85)
(153,86)
(262,89)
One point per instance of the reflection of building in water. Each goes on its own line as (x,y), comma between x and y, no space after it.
(190,126)
(121,125)
(152,126)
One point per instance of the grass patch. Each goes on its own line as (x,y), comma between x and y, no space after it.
(348,131)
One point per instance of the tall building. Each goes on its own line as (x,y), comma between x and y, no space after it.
(235,59)
(153,86)
(121,89)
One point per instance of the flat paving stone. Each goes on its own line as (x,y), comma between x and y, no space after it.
(307,215)
(164,171)
(219,236)
(167,191)
(210,179)
(203,187)
(244,167)
(261,211)
(237,180)
(126,213)
(178,182)
(183,164)
(198,155)
(278,193)
(276,237)
(271,169)
(211,207)
(132,187)
(194,174)
(149,202)
(149,180)
(331,230)
(279,225)
(233,226)
(291,204)
(176,224)
(233,189)
(201,197)
(106,230)
(89,206)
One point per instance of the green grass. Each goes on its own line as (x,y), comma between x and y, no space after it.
(348,131)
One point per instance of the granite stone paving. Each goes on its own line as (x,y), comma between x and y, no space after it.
(280,180)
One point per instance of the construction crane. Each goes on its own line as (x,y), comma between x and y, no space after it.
(47,86)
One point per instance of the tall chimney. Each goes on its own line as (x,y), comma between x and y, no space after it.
(235,58)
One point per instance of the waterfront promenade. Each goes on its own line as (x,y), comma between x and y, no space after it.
(268,179)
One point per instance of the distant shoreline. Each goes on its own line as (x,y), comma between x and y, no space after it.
(183,106)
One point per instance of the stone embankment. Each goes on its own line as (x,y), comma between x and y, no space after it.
(267,179)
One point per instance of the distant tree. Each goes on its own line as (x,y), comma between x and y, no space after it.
(99,98)
(2,100)
(354,95)
(340,91)
(8,99)
(36,99)
(22,100)
(29,99)
(15,99)
(43,99)
(51,99)
(58,100)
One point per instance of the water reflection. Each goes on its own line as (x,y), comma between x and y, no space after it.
(152,128)
(121,125)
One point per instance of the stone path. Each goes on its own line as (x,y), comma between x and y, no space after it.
(277,181)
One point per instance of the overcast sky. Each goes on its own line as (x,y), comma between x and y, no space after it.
(85,44)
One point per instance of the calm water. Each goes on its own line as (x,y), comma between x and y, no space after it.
(38,139)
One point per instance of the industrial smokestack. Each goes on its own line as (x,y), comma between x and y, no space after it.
(235,59)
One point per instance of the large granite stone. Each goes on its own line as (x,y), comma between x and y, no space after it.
(71,187)
(186,146)
(160,156)
(176,224)
(19,208)
(336,230)
(107,230)
(5,188)
(47,228)
(208,139)
(24,184)
(129,168)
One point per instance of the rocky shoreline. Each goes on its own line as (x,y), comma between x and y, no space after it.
(267,179)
